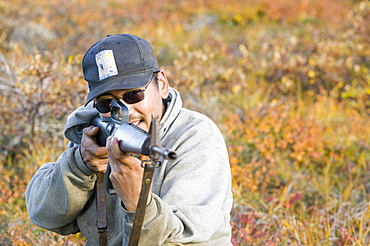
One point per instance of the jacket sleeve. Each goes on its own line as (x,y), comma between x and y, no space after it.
(58,192)
(194,201)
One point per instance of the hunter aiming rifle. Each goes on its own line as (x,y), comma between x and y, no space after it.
(135,141)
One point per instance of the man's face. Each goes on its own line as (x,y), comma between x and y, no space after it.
(140,113)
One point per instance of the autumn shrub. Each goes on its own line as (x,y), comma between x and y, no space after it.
(286,81)
(290,176)
(36,98)
(294,61)
(283,61)
(15,226)
(278,137)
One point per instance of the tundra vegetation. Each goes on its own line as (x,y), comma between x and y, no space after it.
(287,81)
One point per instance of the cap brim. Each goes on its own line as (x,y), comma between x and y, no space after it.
(124,82)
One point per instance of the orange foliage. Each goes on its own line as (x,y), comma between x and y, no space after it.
(287,81)
(333,11)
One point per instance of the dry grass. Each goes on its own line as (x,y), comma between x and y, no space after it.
(287,82)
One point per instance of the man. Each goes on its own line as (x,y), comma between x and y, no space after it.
(190,199)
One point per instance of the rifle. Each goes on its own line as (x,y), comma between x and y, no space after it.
(132,139)
(135,141)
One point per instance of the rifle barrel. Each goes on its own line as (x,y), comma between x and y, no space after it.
(166,153)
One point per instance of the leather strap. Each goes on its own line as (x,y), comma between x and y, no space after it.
(140,211)
(101,222)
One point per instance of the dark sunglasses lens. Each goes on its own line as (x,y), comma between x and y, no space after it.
(132,97)
(103,106)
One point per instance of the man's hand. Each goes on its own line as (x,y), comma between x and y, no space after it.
(126,175)
(94,156)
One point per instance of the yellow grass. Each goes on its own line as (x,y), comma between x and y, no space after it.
(287,82)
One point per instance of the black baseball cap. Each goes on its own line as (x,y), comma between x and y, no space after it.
(117,62)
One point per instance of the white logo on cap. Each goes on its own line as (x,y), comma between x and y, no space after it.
(106,64)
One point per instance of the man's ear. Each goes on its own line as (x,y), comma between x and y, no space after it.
(163,85)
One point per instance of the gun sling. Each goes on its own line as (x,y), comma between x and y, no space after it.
(101,222)
(140,211)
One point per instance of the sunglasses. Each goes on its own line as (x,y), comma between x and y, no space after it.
(130,97)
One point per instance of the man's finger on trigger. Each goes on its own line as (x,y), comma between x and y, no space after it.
(144,158)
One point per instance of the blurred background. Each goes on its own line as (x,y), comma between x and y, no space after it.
(287,82)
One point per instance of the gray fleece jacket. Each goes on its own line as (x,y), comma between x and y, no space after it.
(192,196)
